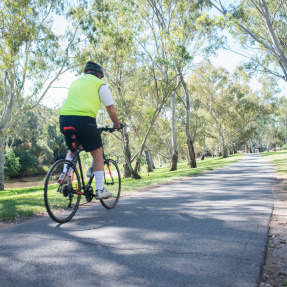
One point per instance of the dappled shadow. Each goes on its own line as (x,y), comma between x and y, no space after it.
(207,231)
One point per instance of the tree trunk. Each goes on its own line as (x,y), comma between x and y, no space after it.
(224,148)
(173,161)
(174,156)
(128,170)
(1,164)
(138,166)
(189,141)
(151,160)
(159,160)
(148,163)
(191,153)
(127,165)
(225,151)
(203,154)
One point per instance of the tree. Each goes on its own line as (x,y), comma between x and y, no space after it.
(229,102)
(260,26)
(31,58)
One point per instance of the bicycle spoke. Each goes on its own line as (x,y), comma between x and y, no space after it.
(61,198)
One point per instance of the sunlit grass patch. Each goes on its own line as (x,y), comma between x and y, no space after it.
(279,159)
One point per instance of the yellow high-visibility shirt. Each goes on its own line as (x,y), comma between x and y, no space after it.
(83,97)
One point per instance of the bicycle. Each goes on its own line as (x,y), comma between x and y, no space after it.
(62,196)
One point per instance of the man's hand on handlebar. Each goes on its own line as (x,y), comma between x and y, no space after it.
(120,127)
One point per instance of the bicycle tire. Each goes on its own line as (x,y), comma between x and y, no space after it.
(61,199)
(112,181)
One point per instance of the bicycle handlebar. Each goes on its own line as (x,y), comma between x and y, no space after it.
(108,129)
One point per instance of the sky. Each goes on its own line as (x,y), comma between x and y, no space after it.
(225,58)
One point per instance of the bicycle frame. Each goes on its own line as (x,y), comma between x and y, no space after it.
(77,158)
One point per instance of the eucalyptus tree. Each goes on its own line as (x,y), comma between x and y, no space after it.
(261,27)
(180,32)
(192,35)
(31,57)
(229,101)
(156,19)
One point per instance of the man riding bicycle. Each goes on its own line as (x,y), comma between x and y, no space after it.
(80,111)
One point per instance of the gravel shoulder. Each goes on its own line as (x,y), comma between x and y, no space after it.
(274,272)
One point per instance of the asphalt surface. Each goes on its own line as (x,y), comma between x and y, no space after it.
(209,230)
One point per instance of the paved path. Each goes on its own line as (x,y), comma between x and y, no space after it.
(209,230)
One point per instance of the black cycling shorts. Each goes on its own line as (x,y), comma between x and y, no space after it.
(86,131)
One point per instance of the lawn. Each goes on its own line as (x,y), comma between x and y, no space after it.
(24,202)
(279,159)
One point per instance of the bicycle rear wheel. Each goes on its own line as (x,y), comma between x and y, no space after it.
(60,195)
(112,182)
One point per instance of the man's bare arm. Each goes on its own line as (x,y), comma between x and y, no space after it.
(113,115)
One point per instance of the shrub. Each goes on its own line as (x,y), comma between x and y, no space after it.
(27,161)
(11,162)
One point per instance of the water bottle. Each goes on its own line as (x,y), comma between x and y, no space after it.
(90,171)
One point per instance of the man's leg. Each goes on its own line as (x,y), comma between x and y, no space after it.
(98,160)
(98,167)
(70,155)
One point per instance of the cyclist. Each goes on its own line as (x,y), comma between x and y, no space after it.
(80,110)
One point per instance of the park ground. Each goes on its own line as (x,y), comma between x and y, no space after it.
(274,271)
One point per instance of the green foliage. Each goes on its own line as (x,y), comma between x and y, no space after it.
(260,27)
(36,140)
(11,162)
(27,160)
(228,104)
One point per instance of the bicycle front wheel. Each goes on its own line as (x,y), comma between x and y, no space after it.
(60,191)
(112,182)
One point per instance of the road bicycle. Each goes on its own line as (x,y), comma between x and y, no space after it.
(65,184)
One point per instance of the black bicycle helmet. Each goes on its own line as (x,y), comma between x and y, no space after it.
(93,68)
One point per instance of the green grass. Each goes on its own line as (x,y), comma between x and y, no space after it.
(24,202)
(279,159)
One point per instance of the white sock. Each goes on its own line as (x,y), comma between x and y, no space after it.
(65,169)
(99,177)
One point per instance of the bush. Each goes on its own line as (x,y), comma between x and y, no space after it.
(11,162)
(27,161)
